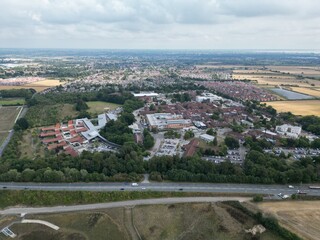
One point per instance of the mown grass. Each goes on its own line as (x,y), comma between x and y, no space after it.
(97,107)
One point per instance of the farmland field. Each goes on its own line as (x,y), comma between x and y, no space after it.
(12,101)
(309,91)
(38,86)
(302,107)
(301,217)
(276,80)
(7,117)
(175,221)
(97,107)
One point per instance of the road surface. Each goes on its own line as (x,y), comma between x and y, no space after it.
(14,211)
(166,187)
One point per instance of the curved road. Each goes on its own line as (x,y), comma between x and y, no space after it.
(14,211)
(185,187)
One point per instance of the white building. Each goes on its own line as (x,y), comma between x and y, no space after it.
(208,97)
(289,130)
(206,137)
(145,94)
(163,121)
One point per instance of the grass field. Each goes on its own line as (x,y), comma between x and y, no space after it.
(301,217)
(303,107)
(31,146)
(97,107)
(167,222)
(39,116)
(12,101)
(7,118)
(38,86)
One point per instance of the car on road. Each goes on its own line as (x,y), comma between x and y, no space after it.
(290,186)
(134,184)
(180,189)
(143,188)
(121,189)
(4,187)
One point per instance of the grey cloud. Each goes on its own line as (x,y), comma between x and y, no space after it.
(160,23)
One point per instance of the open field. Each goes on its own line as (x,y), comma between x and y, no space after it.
(301,217)
(97,107)
(12,101)
(174,221)
(276,80)
(301,107)
(31,146)
(39,116)
(7,117)
(309,91)
(297,70)
(222,66)
(38,86)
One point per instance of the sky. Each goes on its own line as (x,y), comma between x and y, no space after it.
(160,24)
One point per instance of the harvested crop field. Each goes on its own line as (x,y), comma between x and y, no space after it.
(167,222)
(309,91)
(297,70)
(301,217)
(38,86)
(303,107)
(276,80)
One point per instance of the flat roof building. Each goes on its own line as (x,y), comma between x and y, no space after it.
(145,94)
(206,137)
(164,121)
(289,130)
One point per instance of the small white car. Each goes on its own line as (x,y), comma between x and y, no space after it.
(290,186)
(134,184)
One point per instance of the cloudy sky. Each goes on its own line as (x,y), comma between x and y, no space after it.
(160,24)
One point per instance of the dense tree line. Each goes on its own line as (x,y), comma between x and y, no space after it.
(98,166)
(258,168)
(17,93)
(310,124)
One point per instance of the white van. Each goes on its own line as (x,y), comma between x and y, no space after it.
(134,184)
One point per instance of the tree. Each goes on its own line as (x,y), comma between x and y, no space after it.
(231,142)
(152,107)
(211,132)
(257,198)
(188,134)
(21,124)
(148,140)
(81,105)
